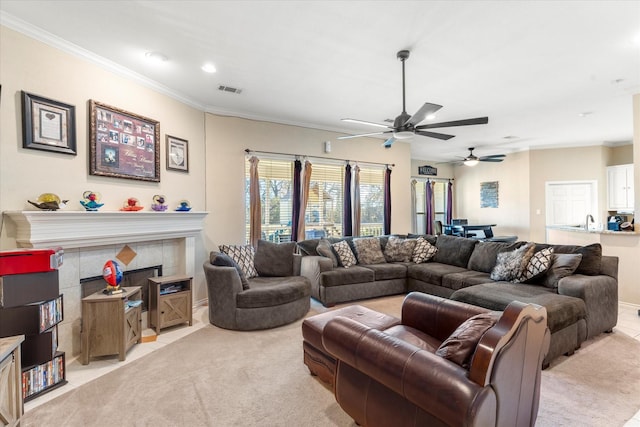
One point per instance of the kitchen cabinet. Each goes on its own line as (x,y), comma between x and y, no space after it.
(620,195)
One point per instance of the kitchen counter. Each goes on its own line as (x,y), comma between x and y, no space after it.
(591,231)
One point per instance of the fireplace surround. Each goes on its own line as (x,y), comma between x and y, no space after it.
(89,239)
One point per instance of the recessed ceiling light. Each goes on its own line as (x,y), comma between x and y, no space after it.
(209,68)
(157,57)
(585,113)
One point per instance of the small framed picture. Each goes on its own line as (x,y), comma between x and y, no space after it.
(48,125)
(177,154)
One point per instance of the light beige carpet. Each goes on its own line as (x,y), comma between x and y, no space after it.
(215,377)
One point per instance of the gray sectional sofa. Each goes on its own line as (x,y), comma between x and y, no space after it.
(579,289)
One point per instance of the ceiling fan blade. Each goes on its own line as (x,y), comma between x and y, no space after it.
(482,159)
(442,136)
(494,156)
(466,122)
(364,122)
(422,113)
(362,134)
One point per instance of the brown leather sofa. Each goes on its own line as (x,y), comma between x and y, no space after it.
(394,378)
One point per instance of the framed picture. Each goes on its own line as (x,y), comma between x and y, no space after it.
(123,144)
(48,125)
(177,154)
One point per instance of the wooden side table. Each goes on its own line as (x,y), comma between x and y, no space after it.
(108,325)
(169,301)
(11,405)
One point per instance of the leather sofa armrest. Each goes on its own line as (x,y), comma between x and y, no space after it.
(436,316)
(409,371)
(600,295)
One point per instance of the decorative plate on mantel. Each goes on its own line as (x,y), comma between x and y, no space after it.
(131,204)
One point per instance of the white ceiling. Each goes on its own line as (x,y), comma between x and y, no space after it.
(531,66)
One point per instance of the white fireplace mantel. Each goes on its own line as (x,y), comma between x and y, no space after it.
(80,229)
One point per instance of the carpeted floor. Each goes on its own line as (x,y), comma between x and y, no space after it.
(215,377)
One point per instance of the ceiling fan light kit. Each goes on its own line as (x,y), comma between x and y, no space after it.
(405,126)
(472,160)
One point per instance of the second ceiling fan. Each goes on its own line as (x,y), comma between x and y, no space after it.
(405,125)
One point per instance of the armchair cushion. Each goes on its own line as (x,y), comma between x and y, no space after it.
(224,260)
(243,256)
(461,344)
(274,259)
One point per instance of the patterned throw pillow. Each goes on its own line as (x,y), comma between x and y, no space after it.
(399,250)
(345,254)
(423,250)
(243,256)
(537,265)
(509,265)
(369,251)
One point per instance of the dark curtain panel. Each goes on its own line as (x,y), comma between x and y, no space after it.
(297,169)
(387,201)
(428,207)
(449,202)
(347,213)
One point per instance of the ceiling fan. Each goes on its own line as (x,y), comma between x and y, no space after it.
(472,160)
(406,126)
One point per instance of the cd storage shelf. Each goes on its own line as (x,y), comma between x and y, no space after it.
(31,306)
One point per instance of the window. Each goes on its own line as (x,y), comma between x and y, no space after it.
(371,201)
(324,210)
(276,184)
(323,216)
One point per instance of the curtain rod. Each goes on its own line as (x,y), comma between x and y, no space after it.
(432,178)
(249,151)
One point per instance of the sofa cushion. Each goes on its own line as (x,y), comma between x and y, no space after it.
(562,310)
(399,250)
(369,251)
(324,249)
(484,255)
(462,343)
(509,265)
(243,255)
(423,251)
(454,250)
(562,265)
(463,279)
(308,247)
(345,255)
(591,256)
(537,266)
(388,271)
(346,276)
(224,260)
(274,259)
(271,291)
(432,272)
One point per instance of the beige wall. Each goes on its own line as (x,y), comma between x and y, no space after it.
(512,213)
(228,137)
(621,155)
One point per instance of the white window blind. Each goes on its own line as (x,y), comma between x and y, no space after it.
(371,201)
(324,209)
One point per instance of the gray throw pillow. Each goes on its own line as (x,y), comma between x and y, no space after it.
(484,255)
(324,249)
(509,265)
(369,251)
(274,259)
(223,260)
(563,265)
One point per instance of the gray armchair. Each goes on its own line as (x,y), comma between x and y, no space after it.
(277,296)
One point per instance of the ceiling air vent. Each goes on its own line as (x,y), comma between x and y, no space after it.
(230,89)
